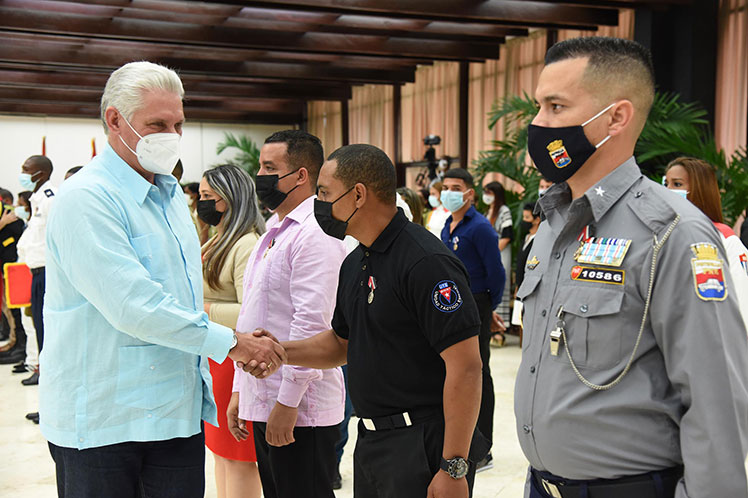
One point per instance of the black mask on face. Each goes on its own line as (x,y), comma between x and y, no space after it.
(330,225)
(267,190)
(206,211)
(558,153)
(525,226)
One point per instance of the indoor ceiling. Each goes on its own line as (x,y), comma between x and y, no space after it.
(258,62)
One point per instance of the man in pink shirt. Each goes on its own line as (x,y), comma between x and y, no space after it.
(289,287)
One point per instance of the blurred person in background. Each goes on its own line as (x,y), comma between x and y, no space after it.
(413,200)
(228,202)
(192,196)
(11,228)
(695,180)
(72,171)
(439,214)
(500,218)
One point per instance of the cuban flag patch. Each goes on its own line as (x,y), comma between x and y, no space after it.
(446,297)
(708,272)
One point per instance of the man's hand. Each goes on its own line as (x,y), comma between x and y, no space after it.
(443,486)
(7,218)
(206,307)
(280,426)
(260,356)
(237,426)
(497,324)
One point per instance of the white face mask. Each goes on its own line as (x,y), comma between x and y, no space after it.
(157,152)
(22,213)
(488,199)
(683,193)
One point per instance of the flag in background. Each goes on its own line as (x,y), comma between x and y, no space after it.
(93,148)
(44,145)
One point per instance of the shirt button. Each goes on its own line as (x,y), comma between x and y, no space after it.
(80,439)
(557,255)
(153,367)
(584,308)
(361,283)
(150,415)
(638,194)
(363,267)
(542,313)
(532,370)
(526,428)
(367,254)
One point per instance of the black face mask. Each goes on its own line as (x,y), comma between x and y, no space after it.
(267,190)
(330,225)
(558,153)
(525,226)
(206,211)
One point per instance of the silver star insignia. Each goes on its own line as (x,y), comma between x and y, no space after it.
(599,191)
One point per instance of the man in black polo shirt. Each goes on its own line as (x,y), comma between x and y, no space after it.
(407,324)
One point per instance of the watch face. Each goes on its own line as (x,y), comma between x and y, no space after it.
(458,468)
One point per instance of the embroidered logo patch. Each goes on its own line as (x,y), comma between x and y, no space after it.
(446,297)
(605,276)
(744,262)
(708,275)
(558,153)
(533,263)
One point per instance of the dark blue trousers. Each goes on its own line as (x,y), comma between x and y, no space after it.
(37,304)
(174,468)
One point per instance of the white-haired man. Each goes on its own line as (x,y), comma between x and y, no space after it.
(126,383)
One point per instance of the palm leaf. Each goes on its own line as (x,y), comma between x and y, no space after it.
(248,156)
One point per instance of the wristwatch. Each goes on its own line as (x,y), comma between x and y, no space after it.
(234,342)
(457,467)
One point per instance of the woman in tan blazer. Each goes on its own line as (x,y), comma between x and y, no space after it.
(228,202)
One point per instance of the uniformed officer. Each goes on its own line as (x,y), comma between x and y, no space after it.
(633,374)
(408,325)
(35,174)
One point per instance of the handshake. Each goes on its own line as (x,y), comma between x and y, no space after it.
(258,353)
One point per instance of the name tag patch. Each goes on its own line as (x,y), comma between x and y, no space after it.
(708,274)
(601,275)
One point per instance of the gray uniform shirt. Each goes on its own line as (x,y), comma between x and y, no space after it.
(685,398)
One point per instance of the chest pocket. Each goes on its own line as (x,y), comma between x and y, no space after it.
(594,327)
(150,254)
(532,321)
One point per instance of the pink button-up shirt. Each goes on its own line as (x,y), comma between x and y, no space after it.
(289,289)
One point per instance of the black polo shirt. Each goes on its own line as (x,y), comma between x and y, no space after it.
(9,236)
(421,306)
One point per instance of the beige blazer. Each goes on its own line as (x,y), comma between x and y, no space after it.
(227,300)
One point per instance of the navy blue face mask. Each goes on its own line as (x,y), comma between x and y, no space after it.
(559,153)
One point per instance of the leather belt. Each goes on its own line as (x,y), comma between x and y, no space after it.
(658,484)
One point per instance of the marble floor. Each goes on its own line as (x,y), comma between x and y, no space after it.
(27,470)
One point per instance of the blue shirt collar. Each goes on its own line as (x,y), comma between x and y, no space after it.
(131,181)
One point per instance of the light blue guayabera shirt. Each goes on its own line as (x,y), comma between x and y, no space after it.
(126,338)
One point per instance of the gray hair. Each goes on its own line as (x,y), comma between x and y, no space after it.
(125,86)
(242,215)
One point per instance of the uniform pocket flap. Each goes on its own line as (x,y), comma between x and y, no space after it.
(528,286)
(591,302)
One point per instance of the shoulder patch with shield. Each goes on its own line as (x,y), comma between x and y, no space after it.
(708,272)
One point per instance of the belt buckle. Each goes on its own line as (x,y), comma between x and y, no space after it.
(551,488)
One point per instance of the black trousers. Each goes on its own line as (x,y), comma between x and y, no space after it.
(485,416)
(37,303)
(174,468)
(304,468)
(399,463)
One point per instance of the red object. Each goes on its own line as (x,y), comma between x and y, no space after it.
(44,145)
(93,147)
(218,439)
(17,280)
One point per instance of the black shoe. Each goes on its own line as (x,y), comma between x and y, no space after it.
(20,368)
(485,464)
(13,356)
(31,381)
(32,415)
(337,481)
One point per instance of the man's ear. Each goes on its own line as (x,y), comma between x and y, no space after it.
(621,117)
(360,193)
(113,120)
